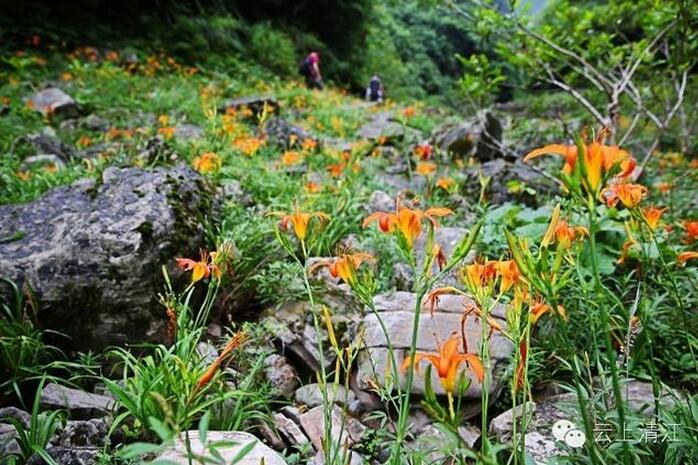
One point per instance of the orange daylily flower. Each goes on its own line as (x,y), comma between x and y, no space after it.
(685,256)
(309,144)
(237,340)
(664,187)
(629,194)
(406,221)
(598,159)
(480,275)
(424,151)
(691,230)
(652,216)
(299,220)
(207,163)
(201,269)
(335,169)
(538,309)
(409,112)
(167,132)
(445,183)
(561,232)
(312,187)
(248,145)
(290,157)
(509,273)
(425,168)
(344,267)
(447,363)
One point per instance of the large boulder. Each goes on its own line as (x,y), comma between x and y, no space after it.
(397,313)
(91,252)
(53,101)
(235,443)
(478,137)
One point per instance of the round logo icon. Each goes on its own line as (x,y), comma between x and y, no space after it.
(561,427)
(575,438)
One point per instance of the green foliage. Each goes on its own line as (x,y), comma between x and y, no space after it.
(24,356)
(35,439)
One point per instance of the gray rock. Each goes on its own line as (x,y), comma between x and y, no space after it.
(80,405)
(41,160)
(92,251)
(509,181)
(255,103)
(207,352)
(287,323)
(402,277)
(46,142)
(289,430)
(478,137)
(281,375)
(280,132)
(311,395)
(8,443)
(69,456)
(95,122)
(54,101)
(84,434)
(157,151)
(383,125)
(397,312)
(543,414)
(13,412)
(380,202)
(177,454)
(343,430)
(186,132)
(448,238)
(394,184)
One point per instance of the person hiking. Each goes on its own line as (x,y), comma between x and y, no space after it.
(375,91)
(310,70)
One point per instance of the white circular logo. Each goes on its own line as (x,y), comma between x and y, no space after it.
(575,438)
(561,427)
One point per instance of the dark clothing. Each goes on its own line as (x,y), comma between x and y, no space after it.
(374,91)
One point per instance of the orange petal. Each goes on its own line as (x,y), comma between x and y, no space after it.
(554,149)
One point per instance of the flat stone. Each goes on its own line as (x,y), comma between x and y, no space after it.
(397,312)
(42,160)
(80,405)
(177,454)
(311,395)
(53,100)
(186,132)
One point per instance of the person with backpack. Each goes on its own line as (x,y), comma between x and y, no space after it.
(375,91)
(310,70)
